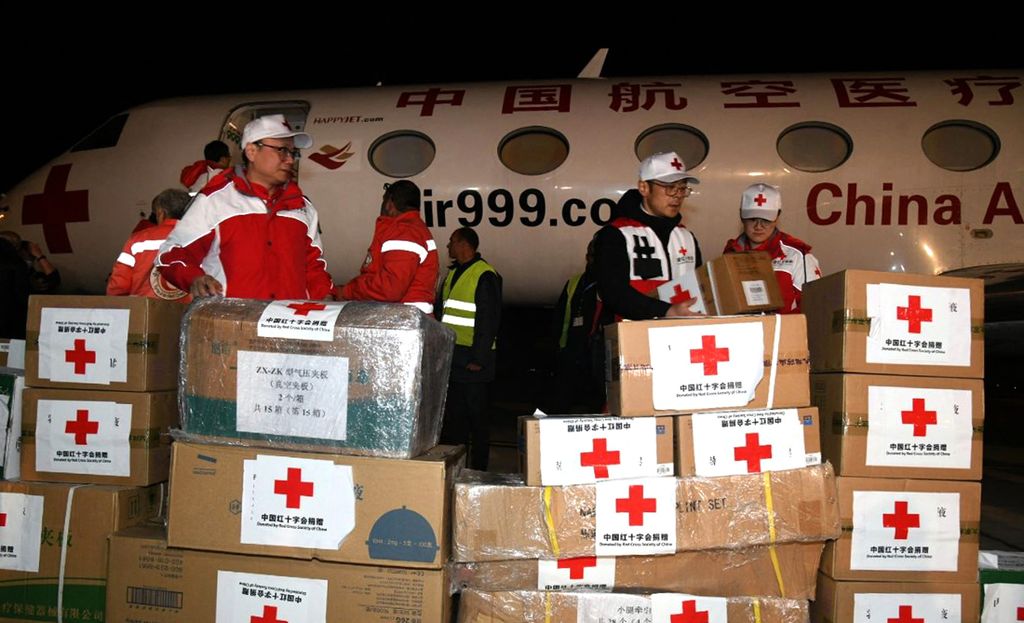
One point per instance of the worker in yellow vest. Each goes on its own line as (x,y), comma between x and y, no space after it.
(470,304)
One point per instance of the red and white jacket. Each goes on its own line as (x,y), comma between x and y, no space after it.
(255,245)
(792,261)
(401,264)
(133,273)
(198,174)
(650,263)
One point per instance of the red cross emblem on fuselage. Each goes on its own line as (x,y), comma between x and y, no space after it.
(55,207)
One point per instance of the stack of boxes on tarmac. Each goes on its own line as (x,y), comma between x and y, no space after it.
(305,483)
(682,508)
(94,445)
(898,366)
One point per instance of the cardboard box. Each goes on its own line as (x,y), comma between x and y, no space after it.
(686,365)
(842,602)
(123,343)
(739,283)
(12,388)
(881,517)
(371,380)
(587,449)
(723,572)
(896,323)
(783,439)
(152,582)
(498,519)
(98,437)
(499,607)
(399,509)
(30,545)
(1001,575)
(909,426)
(12,353)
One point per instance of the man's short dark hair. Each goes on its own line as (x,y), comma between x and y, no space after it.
(467,235)
(405,194)
(174,202)
(215,150)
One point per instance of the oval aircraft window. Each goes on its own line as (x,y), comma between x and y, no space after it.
(960,145)
(402,154)
(814,146)
(533,150)
(689,143)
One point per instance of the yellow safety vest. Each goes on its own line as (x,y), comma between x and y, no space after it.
(567,312)
(458,304)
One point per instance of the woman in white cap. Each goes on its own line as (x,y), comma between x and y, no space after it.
(794,265)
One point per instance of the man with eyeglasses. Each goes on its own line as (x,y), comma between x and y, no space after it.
(250,233)
(760,207)
(646,245)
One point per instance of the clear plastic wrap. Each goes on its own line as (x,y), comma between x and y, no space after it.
(240,385)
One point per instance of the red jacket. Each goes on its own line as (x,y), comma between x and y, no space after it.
(255,245)
(401,264)
(792,261)
(133,273)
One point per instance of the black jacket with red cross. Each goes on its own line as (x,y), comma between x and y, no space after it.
(636,253)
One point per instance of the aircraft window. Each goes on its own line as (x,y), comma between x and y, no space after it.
(106,135)
(690,143)
(402,154)
(960,145)
(534,150)
(814,146)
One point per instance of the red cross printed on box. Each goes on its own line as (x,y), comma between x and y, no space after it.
(914,314)
(269,616)
(919,418)
(80,356)
(577,566)
(760,199)
(293,488)
(81,427)
(303,309)
(599,458)
(3,519)
(906,616)
(1020,612)
(690,614)
(709,355)
(679,295)
(55,207)
(901,520)
(636,505)
(753,453)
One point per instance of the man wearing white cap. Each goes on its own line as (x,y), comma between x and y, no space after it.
(646,245)
(250,233)
(794,265)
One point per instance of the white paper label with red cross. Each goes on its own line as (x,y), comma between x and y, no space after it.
(917,325)
(681,288)
(83,437)
(1004,603)
(584,573)
(293,502)
(636,517)
(258,598)
(917,427)
(299,320)
(83,345)
(747,442)
(906,607)
(586,450)
(905,531)
(606,608)
(292,395)
(682,608)
(706,366)
(21,523)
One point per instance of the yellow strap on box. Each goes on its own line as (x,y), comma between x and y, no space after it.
(550,521)
(771,532)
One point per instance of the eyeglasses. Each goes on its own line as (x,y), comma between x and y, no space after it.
(283,152)
(679,188)
(758,222)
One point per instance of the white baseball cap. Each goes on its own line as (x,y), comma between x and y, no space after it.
(273,126)
(666,167)
(761,201)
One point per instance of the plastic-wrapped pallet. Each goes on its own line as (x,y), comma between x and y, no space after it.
(352,378)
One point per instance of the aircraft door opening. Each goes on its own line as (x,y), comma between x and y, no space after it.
(295,113)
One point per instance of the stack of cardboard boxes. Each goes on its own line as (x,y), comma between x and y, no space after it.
(898,362)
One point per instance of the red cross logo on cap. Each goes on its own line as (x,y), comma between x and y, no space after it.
(599,458)
(679,295)
(753,453)
(678,166)
(906,616)
(80,356)
(269,616)
(636,505)
(914,314)
(760,199)
(690,614)
(901,520)
(81,427)
(293,488)
(303,309)
(709,355)
(577,566)
(919,418)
